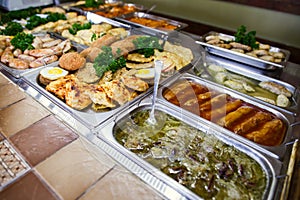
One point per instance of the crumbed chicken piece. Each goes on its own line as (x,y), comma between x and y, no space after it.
(78,95)
(117,91)
(270,134)
(98,96)
(231,118)
(134,83)
(58,87)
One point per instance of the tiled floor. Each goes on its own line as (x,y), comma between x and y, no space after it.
(59,162)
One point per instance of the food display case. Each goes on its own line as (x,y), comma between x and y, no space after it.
(226,125)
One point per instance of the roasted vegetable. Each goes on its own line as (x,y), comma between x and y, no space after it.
(106,61)
(23,41)
(145,45)
(77,27)
(246,38)
(12,29)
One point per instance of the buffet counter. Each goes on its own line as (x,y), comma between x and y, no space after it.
(49,150)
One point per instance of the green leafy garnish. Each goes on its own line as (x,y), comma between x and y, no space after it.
(106,61)
(77,27)
(246,38)
(12,28)
(53,17)
(23,41)
(35,20)
(146,44)
(93,3)
(18,14)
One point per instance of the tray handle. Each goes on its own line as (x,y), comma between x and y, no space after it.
(290,169)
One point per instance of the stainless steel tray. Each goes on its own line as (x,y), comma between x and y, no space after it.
(88,116)
(163,183)
(253,75)
(125,19)
(243,58)
(277,152)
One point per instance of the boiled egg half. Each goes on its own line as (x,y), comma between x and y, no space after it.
(147,73)
(53,73)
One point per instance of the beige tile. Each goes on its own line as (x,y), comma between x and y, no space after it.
(74,168)
(20,115)
(3,79)
(10,93)
(120,184)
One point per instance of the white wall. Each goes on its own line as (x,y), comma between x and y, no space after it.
(275,26)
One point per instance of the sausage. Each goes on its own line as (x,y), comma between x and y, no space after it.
(43,61)
(18,63)
(26,58)
(7,55)
(40,52)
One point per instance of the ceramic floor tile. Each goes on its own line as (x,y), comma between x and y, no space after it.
(3,79)
(42,139)
(21,115)
(28,187)
(10,93)
(120,184)
(74,168)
